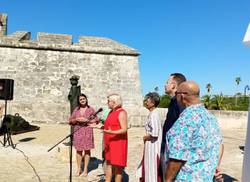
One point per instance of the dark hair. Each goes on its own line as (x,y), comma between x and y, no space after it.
(82,95)
(178,77)
(154,97)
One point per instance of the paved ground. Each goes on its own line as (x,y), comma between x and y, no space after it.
(30,161)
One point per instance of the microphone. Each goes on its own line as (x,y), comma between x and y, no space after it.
(92,116)
(99,110)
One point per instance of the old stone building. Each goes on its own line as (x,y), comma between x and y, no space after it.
(41,70)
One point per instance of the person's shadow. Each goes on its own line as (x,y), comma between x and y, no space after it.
(93,163)
(242,148)
(228,178)
(125,178)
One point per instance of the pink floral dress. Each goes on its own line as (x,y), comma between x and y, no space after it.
(83,139)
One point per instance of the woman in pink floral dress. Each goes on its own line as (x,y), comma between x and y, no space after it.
(83,139)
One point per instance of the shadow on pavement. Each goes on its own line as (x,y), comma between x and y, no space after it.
(93,163)
(242,148)
(27,139)
(228,178)
(125,177)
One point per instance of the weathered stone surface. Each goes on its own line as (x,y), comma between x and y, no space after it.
(42,80)
(48,38)
(17,36)
(3,24)
(41,70)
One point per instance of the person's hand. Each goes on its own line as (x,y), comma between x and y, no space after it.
(93,121)
(73,122)
(145,138)
(94,125)
(81,120)
(218,175)
(108,131)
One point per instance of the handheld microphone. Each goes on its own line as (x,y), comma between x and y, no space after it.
(99,110)
(94,114)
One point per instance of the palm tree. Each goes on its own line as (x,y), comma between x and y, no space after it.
(206,99)
(237,80)
(220,102)
(208,87)
(156,89)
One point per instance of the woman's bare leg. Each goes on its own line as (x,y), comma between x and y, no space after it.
(118,173)
(79,162)
(86,161)
(108,172)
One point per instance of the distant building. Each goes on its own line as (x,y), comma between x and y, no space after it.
(41,70)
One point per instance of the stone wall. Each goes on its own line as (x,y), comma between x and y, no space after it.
(232,119)
(41,70)
(226,119)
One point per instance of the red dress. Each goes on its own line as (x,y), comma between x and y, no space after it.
(116,145)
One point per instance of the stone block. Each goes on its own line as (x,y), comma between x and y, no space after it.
(48,38)
(20,36)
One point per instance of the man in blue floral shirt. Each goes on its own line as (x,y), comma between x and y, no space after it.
(193,143)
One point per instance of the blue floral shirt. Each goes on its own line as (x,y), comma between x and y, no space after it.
(195,138)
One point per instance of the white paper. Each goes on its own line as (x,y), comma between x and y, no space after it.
(246,39)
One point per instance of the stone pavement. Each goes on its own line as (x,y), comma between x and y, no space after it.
(30,161)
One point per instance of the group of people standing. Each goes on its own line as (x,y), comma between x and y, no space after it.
(187,148)
(189,145)
(115,136)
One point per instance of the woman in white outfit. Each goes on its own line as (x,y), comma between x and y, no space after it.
(150,166)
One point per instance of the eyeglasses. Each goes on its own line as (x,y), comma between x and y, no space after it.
(177,93)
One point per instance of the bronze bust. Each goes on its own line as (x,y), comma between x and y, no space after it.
(74,92)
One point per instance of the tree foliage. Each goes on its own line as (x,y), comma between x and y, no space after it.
(165,100)
(220,102)
(208,87)
(238,80)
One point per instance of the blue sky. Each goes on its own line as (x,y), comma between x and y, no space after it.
(199,38)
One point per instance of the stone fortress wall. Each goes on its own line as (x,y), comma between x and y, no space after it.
(41,70)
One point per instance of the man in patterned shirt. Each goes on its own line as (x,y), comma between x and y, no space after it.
(193,142)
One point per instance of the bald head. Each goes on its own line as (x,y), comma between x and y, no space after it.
(191,87)
(188,93)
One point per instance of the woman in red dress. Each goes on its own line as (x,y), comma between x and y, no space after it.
(83,139)
(115,139)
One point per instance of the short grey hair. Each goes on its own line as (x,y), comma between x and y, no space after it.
(154,97)
(116,98)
